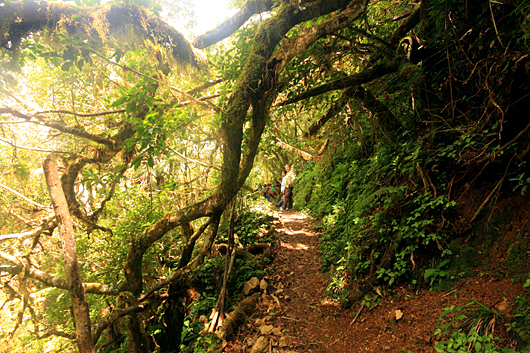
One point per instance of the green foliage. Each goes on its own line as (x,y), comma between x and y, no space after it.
(372,228)
(204,343)
(436,274)
(370,301)
(473,317)
(470,329)
(521,320)
(248,226)
(459,342)
(522,182)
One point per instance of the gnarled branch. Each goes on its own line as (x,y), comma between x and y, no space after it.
(225,29)
(366,76)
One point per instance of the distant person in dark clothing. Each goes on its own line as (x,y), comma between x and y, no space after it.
(282,189)
(265,191)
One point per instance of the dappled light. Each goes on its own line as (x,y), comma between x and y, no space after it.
(295,246)
(312,175)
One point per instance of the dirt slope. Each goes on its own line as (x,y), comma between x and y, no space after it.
(296,303)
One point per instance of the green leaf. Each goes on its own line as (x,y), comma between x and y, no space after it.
(66,66)
(119,101)
(131,108)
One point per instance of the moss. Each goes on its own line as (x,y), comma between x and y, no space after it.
(239,316)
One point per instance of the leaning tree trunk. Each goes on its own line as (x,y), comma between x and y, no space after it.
(71,266)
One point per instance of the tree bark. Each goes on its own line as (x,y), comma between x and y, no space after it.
(225,29)
(384,121)
(73,274)
(365,76)
(125,23)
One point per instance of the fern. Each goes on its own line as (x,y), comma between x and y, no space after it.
(368,201)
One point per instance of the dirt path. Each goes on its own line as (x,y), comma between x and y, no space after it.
(296,303)
(310,320)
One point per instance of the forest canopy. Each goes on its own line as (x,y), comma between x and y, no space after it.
(154,136)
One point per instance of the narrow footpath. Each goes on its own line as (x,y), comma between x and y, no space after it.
(310,320)
(295,315)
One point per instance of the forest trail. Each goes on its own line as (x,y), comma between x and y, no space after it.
(309,321)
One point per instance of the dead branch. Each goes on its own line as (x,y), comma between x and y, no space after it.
(59,125)
(55,332)
(71,265)
(81,115)
(304,155)
(205,85)
(51,281)
(192,160)
(507,144)
(485,202)
(33,148)
(23,197)
(219,311)
(425,183)
(333,110)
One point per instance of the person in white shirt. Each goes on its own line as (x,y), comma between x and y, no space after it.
(288,190)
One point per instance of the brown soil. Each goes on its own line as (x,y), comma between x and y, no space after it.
(296,302)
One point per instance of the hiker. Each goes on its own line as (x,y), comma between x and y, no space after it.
(282,189)
(265,192)
(288,195)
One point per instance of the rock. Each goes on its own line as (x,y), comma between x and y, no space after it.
(263,285)
(238,349)
(266,329)
(250,340)
(259,322)
(261,345)
(250,285)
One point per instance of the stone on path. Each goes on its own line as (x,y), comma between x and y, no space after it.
(263,285)
(266,329)
(261,345)
(250,285)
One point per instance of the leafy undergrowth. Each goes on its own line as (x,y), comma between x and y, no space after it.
(403,318)
(252,226)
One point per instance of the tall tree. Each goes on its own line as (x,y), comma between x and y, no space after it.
(134,117)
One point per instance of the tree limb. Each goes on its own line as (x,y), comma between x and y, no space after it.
(59,125)
(124,23)
(23,197)
(293,47)
(365,76)
(81,115)
(72,271)
(55,332)
(34,148)
(51,281)
(333,110)
(205,85)
(112,318)
(192,160)
(225,29)
(306,156)
(256,84)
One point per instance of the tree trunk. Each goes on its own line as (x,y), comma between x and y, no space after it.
(73,274)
